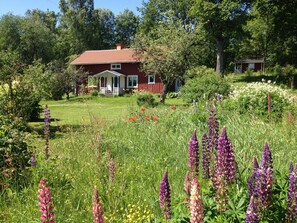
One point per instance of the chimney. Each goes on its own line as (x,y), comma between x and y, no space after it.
(120,46)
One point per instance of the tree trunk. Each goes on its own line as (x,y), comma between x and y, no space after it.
(164,93)
(220,59)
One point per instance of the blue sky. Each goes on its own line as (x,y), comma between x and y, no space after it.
(19,7)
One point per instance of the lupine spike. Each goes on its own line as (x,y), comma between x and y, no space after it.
(205,157)
(292,196)
(256,164)
(47,120)
(187,184)
(266,158)
(251,213)
(111,169)
(194,156)
(226,159)
(97,208)
(45,202)
(165,200)
(213,129)
(196,205)
(251,179)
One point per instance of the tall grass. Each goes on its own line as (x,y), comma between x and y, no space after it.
(142,151)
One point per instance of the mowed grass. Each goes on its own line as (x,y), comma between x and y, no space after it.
(95,129)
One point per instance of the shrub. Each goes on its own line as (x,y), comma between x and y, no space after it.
(14,153)
(204,83)
(253,98)
(172,95)
(94,93)
(22,103)
(146,99)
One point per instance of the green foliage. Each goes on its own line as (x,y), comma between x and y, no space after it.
(204,83)
(145,99)
(172,94)
(253,99)
(94,93)
(14,152)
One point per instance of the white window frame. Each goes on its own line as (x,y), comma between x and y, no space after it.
(132,76)
(148,79)
(115,66)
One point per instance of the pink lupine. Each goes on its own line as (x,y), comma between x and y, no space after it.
(187,184)
(196,205)
(45,202)
(97,209)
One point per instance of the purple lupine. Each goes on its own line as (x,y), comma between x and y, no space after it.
(47,120)
(33,160)
(205,157)
(266,161)
(251,179)
(45,202)
(194,156)
(97,208)
(196,205)
(165,196)
(226,159)
(256,164)
(213,129)
(292,196)
(111,169)
(251,213)
(260,189)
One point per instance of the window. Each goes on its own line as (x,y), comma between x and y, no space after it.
(151,79)
(103,81)
(92,82)
(251,66)
(132,81)
(115,66)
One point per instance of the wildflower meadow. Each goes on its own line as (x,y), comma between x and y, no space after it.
(171,163)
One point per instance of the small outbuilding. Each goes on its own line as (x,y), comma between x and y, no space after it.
(243,65)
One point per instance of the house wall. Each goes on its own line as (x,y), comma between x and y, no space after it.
(128,69)
(246,65)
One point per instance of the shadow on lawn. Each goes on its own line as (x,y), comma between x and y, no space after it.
(56,131)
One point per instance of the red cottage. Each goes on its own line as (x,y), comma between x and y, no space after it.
(115,72)
(243,65)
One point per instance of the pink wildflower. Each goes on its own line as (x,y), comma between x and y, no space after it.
(45,203)
(97,208)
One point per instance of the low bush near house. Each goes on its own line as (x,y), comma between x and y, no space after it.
(146,99)
(204,83)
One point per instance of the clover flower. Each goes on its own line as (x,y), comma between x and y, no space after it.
(196,205)
(194,156)
(45,202)
(165,196)
(97,208)
(205,157)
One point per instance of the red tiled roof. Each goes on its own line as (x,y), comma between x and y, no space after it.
(105,57)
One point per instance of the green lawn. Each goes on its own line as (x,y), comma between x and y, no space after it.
(89,131)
